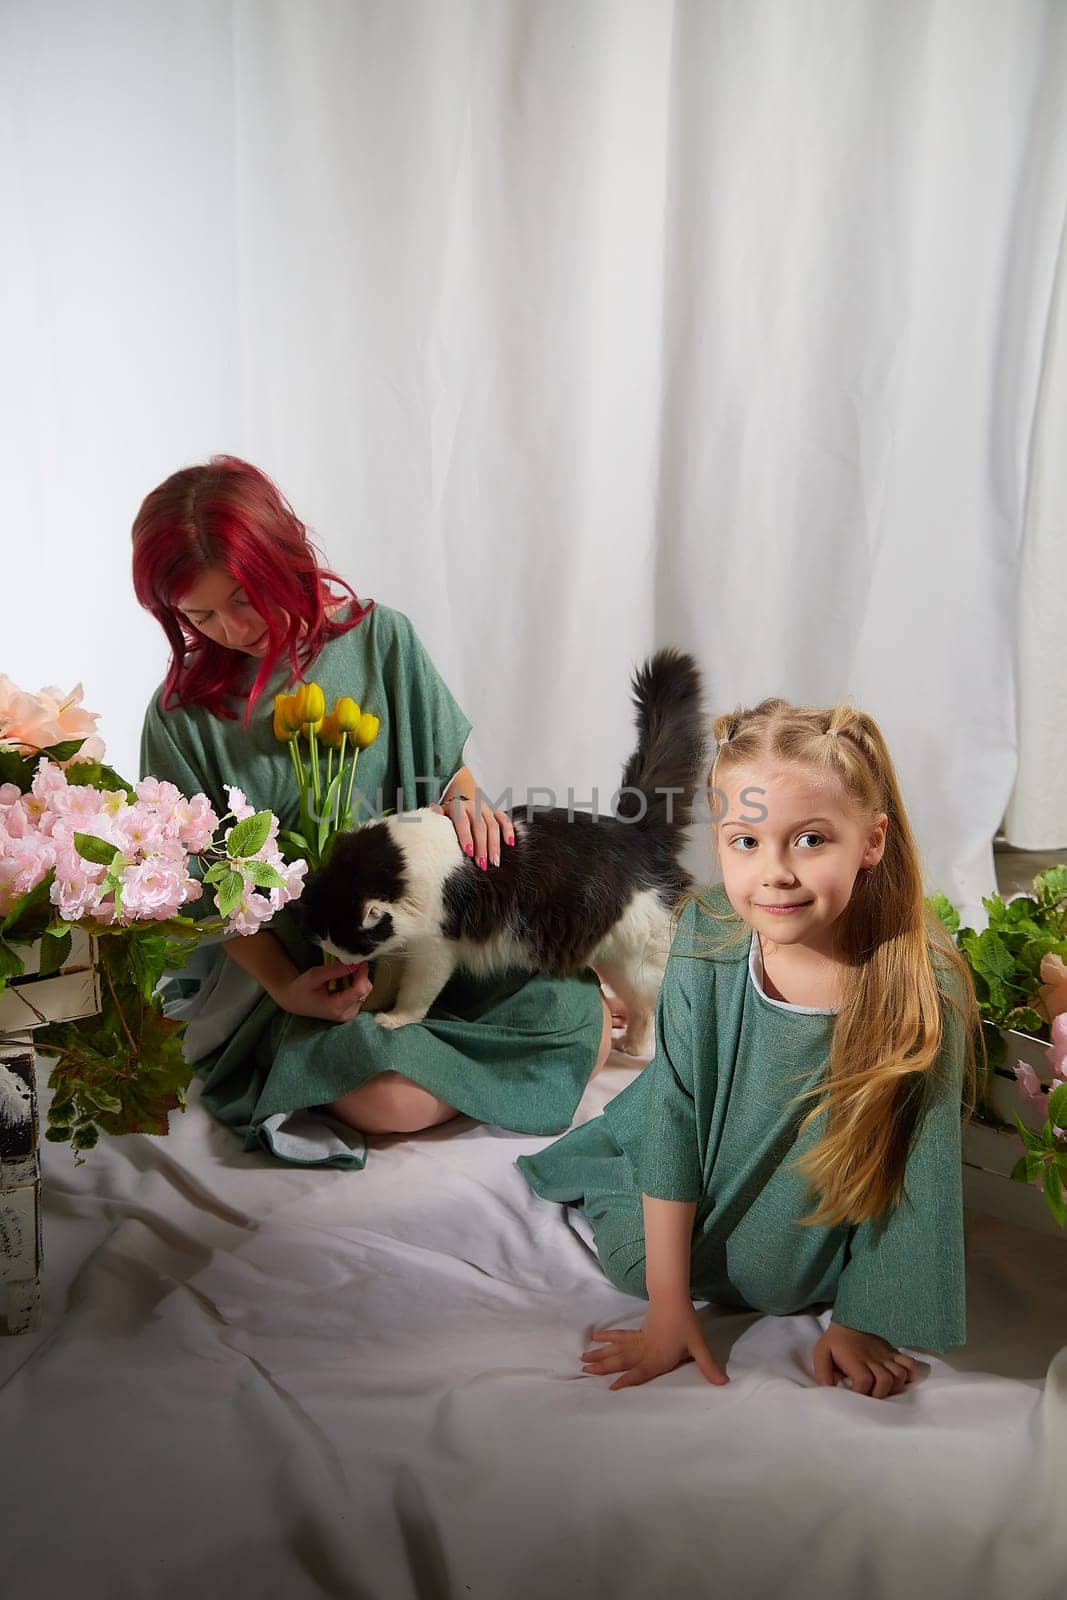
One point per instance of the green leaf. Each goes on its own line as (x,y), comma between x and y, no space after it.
(249,836)
(263,875)
(96,775)
(98,851)
(1054,1194)
(65,749)
(943,908)
(11,964)
(16,769)
(1028,1168)
(84,1137)
(53,953)
(1057,1106)
(102,1100)
(31,914)
(1032,1140)
(1051,885)
(228,893)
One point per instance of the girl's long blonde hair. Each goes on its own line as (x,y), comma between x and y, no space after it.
(888,1030)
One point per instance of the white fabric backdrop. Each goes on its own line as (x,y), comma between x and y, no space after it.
(573,329)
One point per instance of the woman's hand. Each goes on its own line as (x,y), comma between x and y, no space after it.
(479,828)
(308,994)
(872,1365)
(669,1335)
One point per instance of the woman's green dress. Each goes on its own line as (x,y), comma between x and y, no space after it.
(516,1051)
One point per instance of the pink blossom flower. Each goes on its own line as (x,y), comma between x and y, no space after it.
(237,803)
(152,890)
(24,863)
(10,794)
(140,830)
(1029,1086)
(253,910)
(157,792)
(293,873)
(77,895)
(196,822)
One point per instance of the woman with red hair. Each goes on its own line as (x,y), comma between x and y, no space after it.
(227,569)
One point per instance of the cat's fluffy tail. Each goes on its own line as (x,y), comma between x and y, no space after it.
(668,766)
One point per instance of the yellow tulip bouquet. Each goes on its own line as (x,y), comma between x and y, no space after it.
(325,795)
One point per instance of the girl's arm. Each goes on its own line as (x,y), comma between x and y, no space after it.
(904,1281)
(305,994)
(670,1333)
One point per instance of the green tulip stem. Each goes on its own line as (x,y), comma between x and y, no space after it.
(351,780)
(298,765)
(316,780)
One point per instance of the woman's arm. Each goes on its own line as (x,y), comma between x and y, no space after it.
(305,994)
(478,828)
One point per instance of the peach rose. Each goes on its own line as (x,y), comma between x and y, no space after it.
(1053,990)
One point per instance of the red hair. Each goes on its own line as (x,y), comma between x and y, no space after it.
(228,514)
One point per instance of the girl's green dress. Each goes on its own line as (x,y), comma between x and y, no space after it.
(516,1051)
(715,1118)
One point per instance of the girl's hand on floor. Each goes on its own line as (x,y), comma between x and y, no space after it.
(871,1364)
(668,1337)
(308,994)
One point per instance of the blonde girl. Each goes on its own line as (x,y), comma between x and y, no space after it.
(796,1139)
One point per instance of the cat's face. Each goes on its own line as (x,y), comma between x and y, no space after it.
(355,905)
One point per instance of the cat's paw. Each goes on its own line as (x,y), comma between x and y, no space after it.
(635,1042)
(396,1019)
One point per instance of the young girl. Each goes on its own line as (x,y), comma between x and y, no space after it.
(225,566)
(796,1138)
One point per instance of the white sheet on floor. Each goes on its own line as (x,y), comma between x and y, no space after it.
(296,1383)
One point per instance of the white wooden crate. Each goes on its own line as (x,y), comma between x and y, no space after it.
(74,991)
(28,1003)
(20,1189)
(990,1153)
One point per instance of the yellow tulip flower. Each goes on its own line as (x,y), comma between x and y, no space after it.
(286,721)
(367,731)
(330,731)
(312,703)
(347,713)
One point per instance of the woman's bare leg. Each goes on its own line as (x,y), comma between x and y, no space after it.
(391,1103)
(605,1034)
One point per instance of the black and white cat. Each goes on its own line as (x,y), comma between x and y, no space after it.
(571,893)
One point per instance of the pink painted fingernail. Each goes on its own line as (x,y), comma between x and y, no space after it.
(512,839)
(483,863)
(469,848)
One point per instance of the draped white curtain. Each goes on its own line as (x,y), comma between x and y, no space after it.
(573,328)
